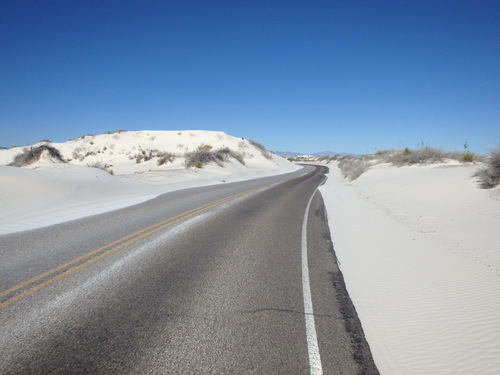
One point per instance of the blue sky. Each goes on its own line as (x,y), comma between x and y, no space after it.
(307,76)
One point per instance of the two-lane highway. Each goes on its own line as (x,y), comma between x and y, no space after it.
(237,278)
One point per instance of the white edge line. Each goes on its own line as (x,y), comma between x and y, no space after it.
(312,340)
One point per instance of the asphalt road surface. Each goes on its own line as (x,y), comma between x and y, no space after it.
(230,279)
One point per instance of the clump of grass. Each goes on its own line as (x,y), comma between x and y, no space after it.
(489,176)
(32,154)
(100,165)
(200,158)
(226,152)
(165,157)
(352,167)
(426,155)
(261,148)
(468,157)
(204,147)
(145,155)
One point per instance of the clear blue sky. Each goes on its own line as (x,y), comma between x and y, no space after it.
(307,76)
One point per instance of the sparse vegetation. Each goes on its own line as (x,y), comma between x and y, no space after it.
(204,147)
(100,165)
(426,155)
(165,157)
(32,154)
(228,153)
(468,156)
(489,176)
(200,158)
(260,147)
(352,167)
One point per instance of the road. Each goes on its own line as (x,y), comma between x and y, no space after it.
(230,279)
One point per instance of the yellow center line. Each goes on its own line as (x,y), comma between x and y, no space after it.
(132,238)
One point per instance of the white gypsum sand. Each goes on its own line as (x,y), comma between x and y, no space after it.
(419,250)
(49,192)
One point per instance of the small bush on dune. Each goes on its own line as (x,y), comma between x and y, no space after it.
(468,156)
(352,167)
(32,154)
(261,148)
(489,176)
(165,157)
(426,155)
(200,158)
(100,165)
(258,145)
(204,147)
(226,152)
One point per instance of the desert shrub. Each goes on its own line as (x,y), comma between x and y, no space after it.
(199,158)
(258,145)
(261,148)
(77,153)
(226,152)
(426,155)
(489,176)
(468,156)
(326,159)
(205,147)
(202,157)
(100,165)
(352,167)
(32,154)
(165,157)
(145,155)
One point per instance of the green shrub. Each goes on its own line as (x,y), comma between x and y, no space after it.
(468,156)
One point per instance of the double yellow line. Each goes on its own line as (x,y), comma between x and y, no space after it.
(93,256)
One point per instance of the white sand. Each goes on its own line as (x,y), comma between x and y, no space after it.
(419,248)
(48,192)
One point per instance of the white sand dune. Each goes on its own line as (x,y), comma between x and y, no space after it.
(419,250)
(49,192)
